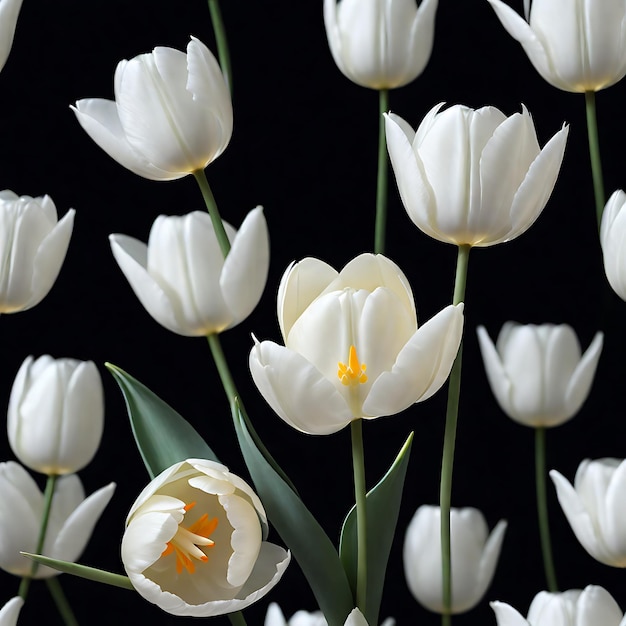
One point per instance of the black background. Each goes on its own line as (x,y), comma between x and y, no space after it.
(304,146)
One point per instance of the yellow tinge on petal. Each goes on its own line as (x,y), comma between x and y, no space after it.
(354,372)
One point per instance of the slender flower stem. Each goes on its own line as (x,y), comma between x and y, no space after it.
(63,606)
(383,171)
(222,367)
(542,508)
(594,153)
(358,465)
(449,440)
(222,43)
(237,619)
(45,516)
(211,205)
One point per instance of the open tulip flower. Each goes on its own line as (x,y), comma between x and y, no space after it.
(182,278)
(352,345)
(11,611)
(9,12)
(172,113)
(575,45)
(594,507)
(71,522)
(33,244)
(537,373)
(380,44)
(194,542)
(593,606)
(275,617)
(613,240)
(473,177)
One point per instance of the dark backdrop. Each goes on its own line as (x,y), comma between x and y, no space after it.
(304,146)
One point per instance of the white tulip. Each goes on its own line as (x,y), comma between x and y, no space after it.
(613,240)
(474,553)
(473,177)
(575,45)
(56,414)
(537,373)
(182,278)
(11,611)
(33,244)
(380,44)
(9,12)
(172,113)
(275,617)
(71,522)
(352,345)
(593,606)
(194,542)
(594,507)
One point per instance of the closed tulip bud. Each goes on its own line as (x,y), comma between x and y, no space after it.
(575,45)
(275,617)
(537,373)
(9,12)
(613,241)
(194,542)
(593,606)
(172,113)
(594,507)
(11,611)
(70,524)
(474,553)
(56,414)
(473,177)
(33,244)
(182,278)
(380,44)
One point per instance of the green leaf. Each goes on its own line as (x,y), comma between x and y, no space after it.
(90,573)
(162,435)
(310,545)
(383,507)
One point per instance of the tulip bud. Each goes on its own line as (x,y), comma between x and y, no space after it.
(275,617)
(613,241)
(9,12)
(11,611)
(56,414)
(474,557)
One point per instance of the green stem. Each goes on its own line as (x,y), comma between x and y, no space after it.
(358,465)
(382,180)
(222,43)
(542,508)
(211,205)
(594,153)
(237,619)
(45,516)
(63,606)
(449,441)
(222,368)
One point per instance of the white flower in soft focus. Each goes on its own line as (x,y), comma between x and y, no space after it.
(172,113)
(72,519)
(352,346)
(56,414)
(194,542)
(474,553)
(182,278)
(613,240)
(11,611)
(575,45)
(33,244)
(593,606)
(275,617)
(473,177)
(595,508)
(537,373)
(380,44)
(9,12)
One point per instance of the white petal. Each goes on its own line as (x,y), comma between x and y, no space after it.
(582,378)
(11,611)
(9,12)
(506,615)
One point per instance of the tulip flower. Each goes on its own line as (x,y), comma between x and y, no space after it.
(9,12)
(613,240)
(275,617)
(33,244)
(594,508)
(474,557)
(172,113)
(182,278)
(575,45)
(70,524)
(473,177)
(593,606)
(537,373)
(380,44)
(352,345)
(194,542)
(11,611)
(56,414)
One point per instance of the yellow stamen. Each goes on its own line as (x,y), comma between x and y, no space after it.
(354,372)
(185,543)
